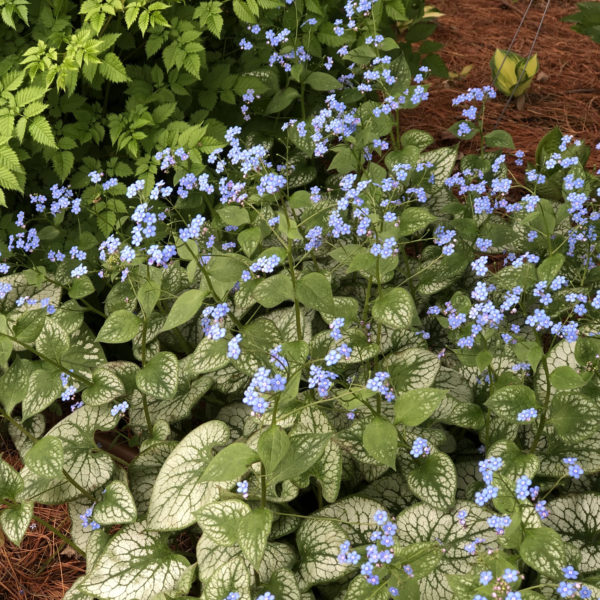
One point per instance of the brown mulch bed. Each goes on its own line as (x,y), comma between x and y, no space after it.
(566,93)
(42,567)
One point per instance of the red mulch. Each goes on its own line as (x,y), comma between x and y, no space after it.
(566,93)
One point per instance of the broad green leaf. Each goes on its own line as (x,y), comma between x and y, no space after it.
(159,377)
(314,291)
(394,308)
(116,506)
(433,480)
(543,550)
(220,520)
(45,458)
(574,415)
(235,215)
(380,440)
(508,401)
(120,326)
(106,387)
(253,532)
(179,479)
(29,325)
(81,287)
(274,290)
(499,139)
(273,445)
(282,99)
(415,406)
(567,378)
(322,82)
(15,520)
(230,463)
(184,308)
(136,563)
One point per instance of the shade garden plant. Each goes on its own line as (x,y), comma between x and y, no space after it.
(352,366)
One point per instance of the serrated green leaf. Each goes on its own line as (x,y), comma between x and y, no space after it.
(40,130)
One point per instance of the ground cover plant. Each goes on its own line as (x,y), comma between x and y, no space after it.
(351,365)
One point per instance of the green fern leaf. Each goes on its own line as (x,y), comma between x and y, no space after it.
(40,130)
(8,180)
(112,68)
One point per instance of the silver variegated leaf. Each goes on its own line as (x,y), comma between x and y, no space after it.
(43,388)
(179,479)
(143,471)
(136,564)
(219,520)
(106,387)
(117,506)
(424,523)
(84,462)
(212,557)
(14,521)
(577,519)
(319,538)
(159,377)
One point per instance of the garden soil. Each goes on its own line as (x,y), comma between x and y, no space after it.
(566,93)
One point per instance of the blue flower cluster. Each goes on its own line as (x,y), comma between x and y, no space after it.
(378,554)
(262,382)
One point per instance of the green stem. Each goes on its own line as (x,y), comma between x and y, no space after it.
(538,433)
(296,303)
(18,425)
(263,486)
(57,533)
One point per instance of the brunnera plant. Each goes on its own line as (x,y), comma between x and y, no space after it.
(378,379)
